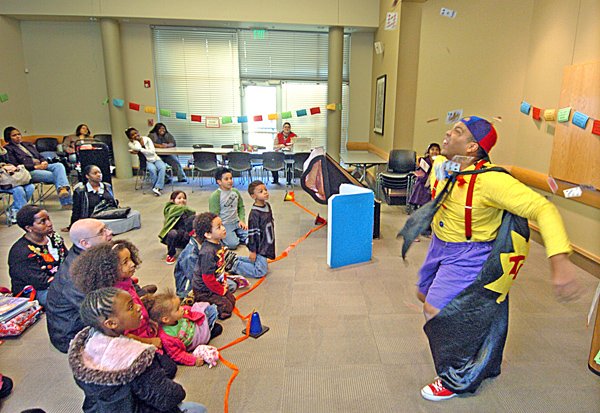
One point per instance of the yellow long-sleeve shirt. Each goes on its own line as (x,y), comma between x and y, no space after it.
(493,193)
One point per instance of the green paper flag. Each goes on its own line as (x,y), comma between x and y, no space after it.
(286,115)
(165,112)
(105,102)
(563,114)
(226,119)
(3,97)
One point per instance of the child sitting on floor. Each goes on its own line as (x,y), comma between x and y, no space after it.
(227,203)
(210,276)
(117,373)
(177,224)
(261,234)
(113,264)
(182,329)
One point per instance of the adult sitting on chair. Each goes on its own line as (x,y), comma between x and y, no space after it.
(24,153)
(155,166)
(283,141)
(21,193)
(64,299)
(82,133)
(163,139)
(89,195)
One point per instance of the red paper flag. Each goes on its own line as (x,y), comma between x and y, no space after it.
(314,111)
(596,127)
(196,118)
(258,118)
(536,113)
(134,106)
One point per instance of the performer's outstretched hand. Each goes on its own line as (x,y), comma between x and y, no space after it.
(564,280)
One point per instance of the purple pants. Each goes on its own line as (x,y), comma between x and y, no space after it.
(449,268)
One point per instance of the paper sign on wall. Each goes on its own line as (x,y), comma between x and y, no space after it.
(563,114)
(550,114)
(573,192)
(453,116)
(212,122)
(525,108)
(580,119)
(552,184)
(391,21)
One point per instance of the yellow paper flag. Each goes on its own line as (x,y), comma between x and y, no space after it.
(550,114)
(331,106)
(150,109)
(272,116)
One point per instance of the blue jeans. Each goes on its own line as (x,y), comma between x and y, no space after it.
(21,195)
(256,269)
(157,170)
(42,297)
(54,174)
(235,235)
(211,314)
(191,407)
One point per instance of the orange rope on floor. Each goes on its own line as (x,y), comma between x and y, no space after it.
(248,317)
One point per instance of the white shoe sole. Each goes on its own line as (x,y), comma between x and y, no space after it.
(425,393)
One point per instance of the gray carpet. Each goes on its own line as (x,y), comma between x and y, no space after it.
(345,340)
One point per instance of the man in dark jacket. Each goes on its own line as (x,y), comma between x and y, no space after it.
(62,310)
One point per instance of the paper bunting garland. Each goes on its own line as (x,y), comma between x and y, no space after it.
(286,115)
(525,107)
(242,119)
(561,115)
(134,106)
(579,119)
(314,111)
(550,114)
(165,112)
(536,113)
(331,106)
(301,112)
(118,103)
(272,116)
(596,127)
(196,118)
(3,97)
(105,101)
(150,109)
(258,118)
(226,119)
(180,115)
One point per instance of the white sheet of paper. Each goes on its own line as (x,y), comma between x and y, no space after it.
(424,165)
(573,192)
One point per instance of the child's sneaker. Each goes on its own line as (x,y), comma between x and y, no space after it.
(156,191)
(241,281)
(231,260)
(436,391)
(170,260)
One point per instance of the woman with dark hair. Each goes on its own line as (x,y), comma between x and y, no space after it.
(155,166)
(283,141)
(421,193)
(21,194)
(82,133)
(35,258)
(25,153)
(161,138)
(93,193)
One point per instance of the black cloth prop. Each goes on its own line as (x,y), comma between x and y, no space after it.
(107,210)
(467,337)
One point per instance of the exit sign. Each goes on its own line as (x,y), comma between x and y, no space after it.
(259,34)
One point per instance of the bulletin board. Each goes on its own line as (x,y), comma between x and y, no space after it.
(576,151)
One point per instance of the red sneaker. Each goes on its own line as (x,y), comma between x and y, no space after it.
(436,391)
(170,260)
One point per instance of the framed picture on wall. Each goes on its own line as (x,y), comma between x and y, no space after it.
(379,104)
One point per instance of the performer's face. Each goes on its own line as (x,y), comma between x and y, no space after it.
(456,141)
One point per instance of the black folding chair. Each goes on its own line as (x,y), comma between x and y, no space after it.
(273,162)
(93,153)
(240,162)
(204,162)
(396,181)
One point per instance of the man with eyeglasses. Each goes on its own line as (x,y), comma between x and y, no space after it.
(62,310)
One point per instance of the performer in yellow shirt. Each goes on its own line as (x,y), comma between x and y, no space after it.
(479,244)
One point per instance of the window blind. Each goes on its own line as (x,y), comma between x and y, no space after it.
(197,72)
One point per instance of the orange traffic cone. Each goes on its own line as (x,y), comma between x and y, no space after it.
(320,220)
(289,196)
(256,327)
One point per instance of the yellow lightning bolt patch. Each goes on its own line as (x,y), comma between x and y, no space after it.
(511,264)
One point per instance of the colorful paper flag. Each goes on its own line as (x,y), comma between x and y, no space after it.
(580,119)
(315,111)
(134,106)
(258,118)
(226,119)
(596,127)
(196,118)
(165,112)
(180,115)
(301,112)
(550,114)
(272,116)
(331,106)
(118,103)
(552,184)
(150,109)
(3,97)
(242,119)
(536,113)
(563,114)
(525,107)
(286,115)
(105,101)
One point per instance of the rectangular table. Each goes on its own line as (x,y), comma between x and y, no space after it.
(363,160)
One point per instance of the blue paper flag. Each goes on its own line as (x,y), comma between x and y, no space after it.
(525,107)
(301,112)
(580,119)
(180,115)
(118,103)
(242,119)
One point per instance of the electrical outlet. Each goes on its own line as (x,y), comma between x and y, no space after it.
(447,13)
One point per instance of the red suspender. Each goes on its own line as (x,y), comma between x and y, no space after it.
(469,201)
(434,189)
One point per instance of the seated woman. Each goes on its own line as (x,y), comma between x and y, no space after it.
(24,153)
(87,196)
(21,193)
(156,167)
(35,258)
(161,138)
(283,141)
(82,133)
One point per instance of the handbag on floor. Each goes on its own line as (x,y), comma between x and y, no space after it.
(16,325)
(108,210)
